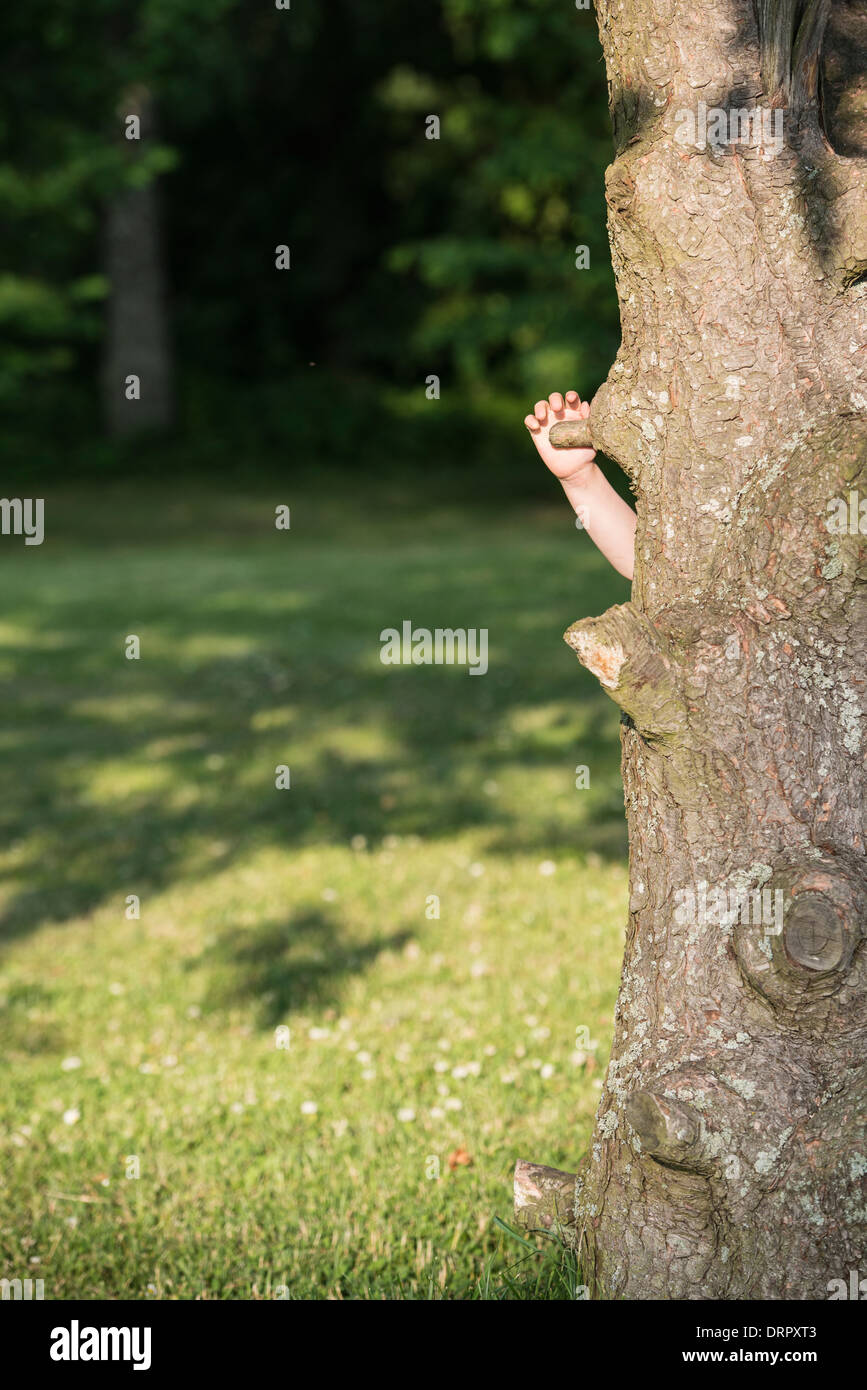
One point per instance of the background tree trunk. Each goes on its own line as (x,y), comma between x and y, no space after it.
(137,333)
(729,1156)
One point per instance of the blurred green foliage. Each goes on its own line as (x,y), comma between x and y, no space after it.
(410,256)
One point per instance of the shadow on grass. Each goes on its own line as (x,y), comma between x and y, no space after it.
(288,966)
(131,776)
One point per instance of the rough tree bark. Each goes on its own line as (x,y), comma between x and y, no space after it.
(729,1156)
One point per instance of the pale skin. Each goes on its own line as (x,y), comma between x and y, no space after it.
(608,520)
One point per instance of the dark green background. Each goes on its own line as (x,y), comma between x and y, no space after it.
(409,256)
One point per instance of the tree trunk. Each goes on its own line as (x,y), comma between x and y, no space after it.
(137,334)
(729,1156)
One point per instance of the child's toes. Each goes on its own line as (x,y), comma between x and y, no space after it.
(540,410)
(585,409)
(573,400)
(556,403)
(532,424)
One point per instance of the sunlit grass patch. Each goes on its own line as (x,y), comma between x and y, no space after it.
(321,1024)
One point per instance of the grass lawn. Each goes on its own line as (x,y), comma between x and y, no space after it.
(161,1134)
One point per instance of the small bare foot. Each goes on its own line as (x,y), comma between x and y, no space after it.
(563,463)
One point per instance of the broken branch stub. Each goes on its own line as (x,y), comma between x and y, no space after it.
(571,434)
(668,1130)
(624,651)
(544,1197)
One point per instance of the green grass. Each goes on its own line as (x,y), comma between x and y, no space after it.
(321,1169)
